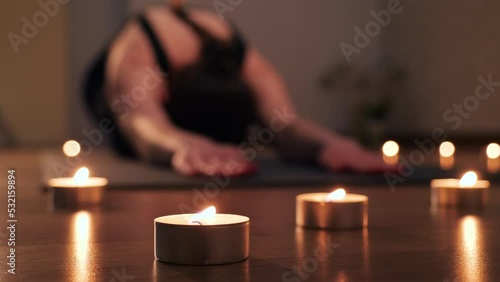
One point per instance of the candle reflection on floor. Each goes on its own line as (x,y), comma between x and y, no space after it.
(471,257)
(366,249)
(161,271)
(342,277)
(311,246)
(317,251)
(81,233)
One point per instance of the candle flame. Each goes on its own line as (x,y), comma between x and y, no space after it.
(206,214)
(81,176)
(390,148)
(338,194)
(493,151)
(71,148)
(446,149)
(468,180)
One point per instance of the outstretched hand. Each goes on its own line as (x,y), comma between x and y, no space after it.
(347,154)
(205,157)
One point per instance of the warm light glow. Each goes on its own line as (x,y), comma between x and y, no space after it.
(206,215)
(446,149)
(71,148)
(81,176)
(390,148)
(493,151)
(468,180)
(338,194)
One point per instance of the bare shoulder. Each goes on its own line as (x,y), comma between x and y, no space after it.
(129,51)
(131,64)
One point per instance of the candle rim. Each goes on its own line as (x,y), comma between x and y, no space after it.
(245,220)
(338,201)
(66,182)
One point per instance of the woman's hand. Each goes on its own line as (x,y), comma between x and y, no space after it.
(203,156)
(347,154)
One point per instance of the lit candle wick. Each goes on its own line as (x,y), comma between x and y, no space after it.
(207,214)
(468,180)
(81,176)
(338,194)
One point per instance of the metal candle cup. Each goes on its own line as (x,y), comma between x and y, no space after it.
(493,165)
(453,193)
(314,211)
(223,239)
(493,157)
(65,193)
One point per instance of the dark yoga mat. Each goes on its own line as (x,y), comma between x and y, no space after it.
(124,173)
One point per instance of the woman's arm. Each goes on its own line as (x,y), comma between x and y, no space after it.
(302,139)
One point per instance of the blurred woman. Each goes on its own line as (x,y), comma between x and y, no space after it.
(210,86)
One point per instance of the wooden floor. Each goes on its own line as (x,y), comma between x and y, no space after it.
(405,240)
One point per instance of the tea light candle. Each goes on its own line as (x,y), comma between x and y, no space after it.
(467,192)
(446,155)
(206,238)
(80,190)
(390,152)
(336,210)
(493,160)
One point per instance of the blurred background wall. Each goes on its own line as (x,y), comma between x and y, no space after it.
(34,81)
(444,47)
(92,25)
